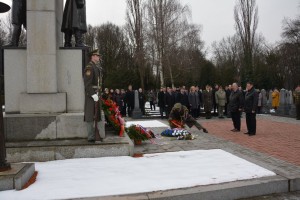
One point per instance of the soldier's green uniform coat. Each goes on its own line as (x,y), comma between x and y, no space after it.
(180,113)
(92,73)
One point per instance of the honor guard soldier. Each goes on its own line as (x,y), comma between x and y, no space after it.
(92,84)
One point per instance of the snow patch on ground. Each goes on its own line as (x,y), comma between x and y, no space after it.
(94,177)
(147,124)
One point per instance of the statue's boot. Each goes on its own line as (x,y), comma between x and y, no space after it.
(79,39)
(15,36)
(68,38)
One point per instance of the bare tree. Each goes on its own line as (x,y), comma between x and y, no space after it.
(227,57)
(167,23)
(246,21)
(291,30)
(3,34)
(7,25)
(135,29)
(90,37)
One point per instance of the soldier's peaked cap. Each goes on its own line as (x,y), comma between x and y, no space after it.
(95,52)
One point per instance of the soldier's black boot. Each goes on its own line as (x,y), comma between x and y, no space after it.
(79,39)
(68,37)
(15,36)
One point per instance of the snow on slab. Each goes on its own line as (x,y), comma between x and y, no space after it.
(91,177)
(147,124)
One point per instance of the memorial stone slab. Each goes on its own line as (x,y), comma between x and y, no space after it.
(265,108)
(137,113)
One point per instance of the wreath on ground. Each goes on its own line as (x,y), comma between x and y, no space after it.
(138,134)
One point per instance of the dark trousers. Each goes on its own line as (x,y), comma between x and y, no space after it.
(198,111)
(226,109)
(168,110)
(259,109)
(298,111)
(123,110)
(161,111)
(215,107)
(236,119)
(194,112)
(152,104)
(143,109)
(208,114)
(251,122)
(129,110)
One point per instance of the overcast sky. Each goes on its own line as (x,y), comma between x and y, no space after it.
(215,16)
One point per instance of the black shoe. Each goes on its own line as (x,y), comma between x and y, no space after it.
(205,131)
(91,141)
(251,134)
(247,133)
(235,130)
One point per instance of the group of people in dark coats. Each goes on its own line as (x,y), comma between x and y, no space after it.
(125,99)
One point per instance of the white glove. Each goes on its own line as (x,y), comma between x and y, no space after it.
(95,97)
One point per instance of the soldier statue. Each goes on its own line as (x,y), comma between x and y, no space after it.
(92,83)
(74,22)
(18,18)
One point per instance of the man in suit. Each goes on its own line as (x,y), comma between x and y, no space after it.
(236,104)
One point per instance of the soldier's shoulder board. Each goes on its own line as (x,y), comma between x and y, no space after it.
(88,70)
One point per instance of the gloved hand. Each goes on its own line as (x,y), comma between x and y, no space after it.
(95,97)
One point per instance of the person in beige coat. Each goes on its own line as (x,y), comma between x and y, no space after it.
(221,101)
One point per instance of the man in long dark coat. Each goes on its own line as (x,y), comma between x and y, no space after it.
(169,101)
(129,99)
(250,107)
(161,101)
(74,22)
(207,101)
(92,81)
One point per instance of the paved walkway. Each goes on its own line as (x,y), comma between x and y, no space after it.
(277,137)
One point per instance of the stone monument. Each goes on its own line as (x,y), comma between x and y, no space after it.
(44,98)
(270,100)
(137,113)
(283,105)
(265,107)
(292,112)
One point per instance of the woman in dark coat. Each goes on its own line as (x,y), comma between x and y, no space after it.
(74,22)
(207,101)
(194,102)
